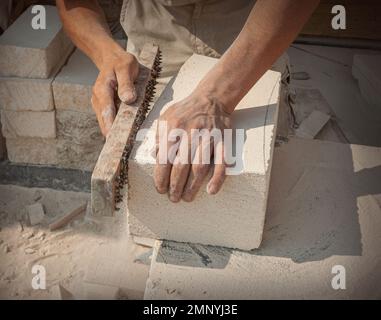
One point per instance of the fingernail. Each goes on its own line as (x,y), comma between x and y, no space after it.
(128,96)
(211,189)
(174,197)
(187,197)
(161,189)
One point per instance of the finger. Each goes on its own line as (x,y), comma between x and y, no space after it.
(166,153)
(161,175)
(103,103)
(108,117)
(217,180)
(126,88)
(180,171)
(219,170)
(198,172)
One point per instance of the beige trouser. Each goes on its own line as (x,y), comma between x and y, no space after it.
(183,27)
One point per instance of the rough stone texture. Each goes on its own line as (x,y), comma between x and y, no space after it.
(324,210)
(29,53)
(73,84)
(77,145)
(17,124)
(312,125)
(235,216)
(20,94)
(79,139)
(367,70)
(32,150)
(3,148)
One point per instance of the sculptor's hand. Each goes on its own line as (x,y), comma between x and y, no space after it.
(117,73)
(184,179)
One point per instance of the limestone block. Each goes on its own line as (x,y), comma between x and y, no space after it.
(19,94)
(324,211)
(29,53)
(77,145)
(235,216)
(17,124)
(32,150)
(73,84)
(79,139)
(367,70)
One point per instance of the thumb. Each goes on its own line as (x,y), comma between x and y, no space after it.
(126,87)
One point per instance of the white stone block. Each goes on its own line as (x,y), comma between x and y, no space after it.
(36,124)
(235,216)
(29,53)
(20,94)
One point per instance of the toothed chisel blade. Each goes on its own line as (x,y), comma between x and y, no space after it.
(110,172)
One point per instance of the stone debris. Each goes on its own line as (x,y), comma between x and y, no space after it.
(312,125)
(35,213)
(67,218)
(30,251)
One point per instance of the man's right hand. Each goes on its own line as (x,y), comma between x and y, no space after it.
(85,23)
(117,74)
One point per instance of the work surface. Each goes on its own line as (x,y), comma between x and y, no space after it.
(323,211)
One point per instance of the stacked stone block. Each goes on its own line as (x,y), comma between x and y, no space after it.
(45,96)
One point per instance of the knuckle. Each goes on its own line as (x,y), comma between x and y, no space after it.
(200,169)
(160,184)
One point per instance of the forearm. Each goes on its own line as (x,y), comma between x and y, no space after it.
(271,27)
(85,23)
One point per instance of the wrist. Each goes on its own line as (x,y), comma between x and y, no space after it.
(106,53)
(217,92)
(223,85)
